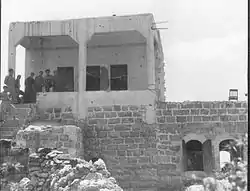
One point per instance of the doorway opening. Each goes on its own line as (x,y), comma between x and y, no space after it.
(65,79)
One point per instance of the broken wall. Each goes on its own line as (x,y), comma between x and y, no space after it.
(145,156)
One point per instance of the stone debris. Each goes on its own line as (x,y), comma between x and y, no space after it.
(52,170)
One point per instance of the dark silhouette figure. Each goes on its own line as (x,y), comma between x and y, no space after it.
(39,82)
(30,92)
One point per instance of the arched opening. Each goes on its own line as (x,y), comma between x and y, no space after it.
(194,153)
(229,151)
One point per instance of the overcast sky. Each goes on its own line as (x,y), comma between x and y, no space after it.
(205,45)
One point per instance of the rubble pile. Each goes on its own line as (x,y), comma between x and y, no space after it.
(52,170)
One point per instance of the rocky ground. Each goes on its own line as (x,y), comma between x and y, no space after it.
(52,170)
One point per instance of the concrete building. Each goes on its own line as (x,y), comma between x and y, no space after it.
(100,61)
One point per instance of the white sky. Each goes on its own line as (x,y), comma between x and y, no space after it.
(205,46)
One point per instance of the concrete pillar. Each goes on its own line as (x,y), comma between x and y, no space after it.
(150,60)
(82,107)
(12,49)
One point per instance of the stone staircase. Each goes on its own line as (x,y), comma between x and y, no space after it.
(19,116)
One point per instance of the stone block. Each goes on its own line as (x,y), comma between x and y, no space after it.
(11,123)
(197,118)
(67,115)
(167,112)
(187,105)
(206,104)
(160,119)
(129,140)
(132,160)
(205,118)
(50,110)
(161,159)
(125,134)
(106,141)
(117,108)
(158,112)
(233,111)
(57,110)
(194,111)
(133,108)
(161,105)
(134,134)
(110,114)
(114,121)
(128,120)
(102,134)
(171,105)
(64,137)
(204,111)
(118,141)
(197,104)
(181,112)
(121,153)
(137,114)
(181,119)
(243,117)
(125,108)
(213,112)
(107,108)
(125,114)
(99,115)
(222,111)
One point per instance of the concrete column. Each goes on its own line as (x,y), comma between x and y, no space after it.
(82,104)
(12,49)
(150,60)
(216,155)
(12,57)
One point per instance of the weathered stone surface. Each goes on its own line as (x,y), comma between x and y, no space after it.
(63,137)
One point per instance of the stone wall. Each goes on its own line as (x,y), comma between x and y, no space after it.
(65,138)
(14,155)
(144,156)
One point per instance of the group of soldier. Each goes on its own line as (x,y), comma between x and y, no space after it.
(40,83)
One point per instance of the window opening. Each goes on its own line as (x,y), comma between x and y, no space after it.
(93,78)
(194,156)
(119,79)
(229,151)
(64,79)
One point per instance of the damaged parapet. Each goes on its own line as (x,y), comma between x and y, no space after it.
(67,138)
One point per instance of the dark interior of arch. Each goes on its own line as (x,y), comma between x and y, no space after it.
(194,156)
(226,145)
(194,145)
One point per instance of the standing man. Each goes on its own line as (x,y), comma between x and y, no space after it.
(10,82)
(18,86)
(39,82)
(30,92)
(48,80)
(5,102)
(55,81)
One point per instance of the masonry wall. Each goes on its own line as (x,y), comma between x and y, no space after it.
(150,156)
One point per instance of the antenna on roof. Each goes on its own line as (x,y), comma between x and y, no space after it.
(153,27)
